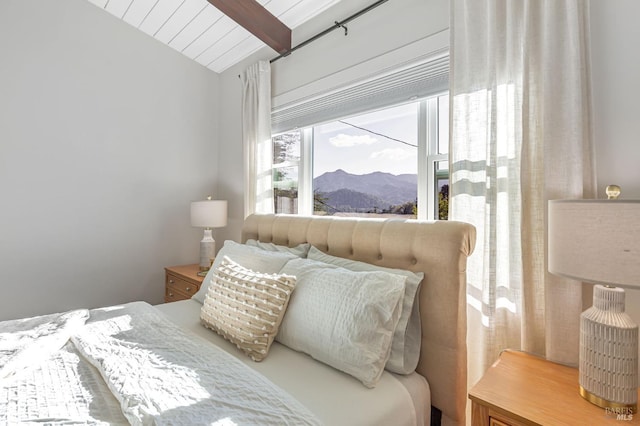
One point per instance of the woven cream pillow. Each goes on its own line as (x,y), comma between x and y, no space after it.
(246,307)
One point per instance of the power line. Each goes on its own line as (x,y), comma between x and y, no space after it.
(378,134)
(321,202)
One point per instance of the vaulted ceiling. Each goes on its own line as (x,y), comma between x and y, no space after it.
(204,33)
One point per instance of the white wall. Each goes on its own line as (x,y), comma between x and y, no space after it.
(385,29)
(616,93)
(105,137)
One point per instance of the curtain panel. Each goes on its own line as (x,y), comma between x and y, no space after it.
(256,133)
(521,135)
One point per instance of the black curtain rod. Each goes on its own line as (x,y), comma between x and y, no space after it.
(337,24)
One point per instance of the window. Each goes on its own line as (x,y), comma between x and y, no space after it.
(392,161)
(286,167)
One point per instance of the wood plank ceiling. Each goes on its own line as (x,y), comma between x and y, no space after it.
(203,33)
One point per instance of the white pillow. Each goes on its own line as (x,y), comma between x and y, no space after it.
(405,349)
(301,250)
(343,318)
(267,262)
(246,307)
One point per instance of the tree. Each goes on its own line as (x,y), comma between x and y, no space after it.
(443,203)
(408,208)
(286,147)
(320,202)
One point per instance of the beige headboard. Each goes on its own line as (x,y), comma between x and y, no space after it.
(439,249)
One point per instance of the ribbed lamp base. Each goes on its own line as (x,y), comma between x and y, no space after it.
(609,352)
(207,250)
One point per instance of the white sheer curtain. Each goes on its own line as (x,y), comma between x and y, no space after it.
(520,112)
(256,133)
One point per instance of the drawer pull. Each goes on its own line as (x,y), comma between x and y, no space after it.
(188,288)
(170,281)
(170,294)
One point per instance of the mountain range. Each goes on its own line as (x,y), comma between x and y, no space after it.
(349,192)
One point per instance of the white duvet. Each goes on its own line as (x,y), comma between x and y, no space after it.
(130,363)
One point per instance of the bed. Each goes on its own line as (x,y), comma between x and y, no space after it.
(292,386)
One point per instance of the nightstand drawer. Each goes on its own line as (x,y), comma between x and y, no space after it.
(495,422)
(180,285)
(174,295)
(181,282)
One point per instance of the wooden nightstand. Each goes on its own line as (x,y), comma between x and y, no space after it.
(181,282)
(521,389)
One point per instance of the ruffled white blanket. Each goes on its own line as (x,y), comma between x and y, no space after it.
(27,342)
(45,380)
(158,373)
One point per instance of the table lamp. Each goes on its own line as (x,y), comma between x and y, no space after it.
(598,241)
(208,214)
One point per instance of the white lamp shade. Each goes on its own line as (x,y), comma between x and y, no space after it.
(209,213)
(596,241)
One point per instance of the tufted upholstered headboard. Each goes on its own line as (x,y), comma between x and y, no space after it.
(439,249)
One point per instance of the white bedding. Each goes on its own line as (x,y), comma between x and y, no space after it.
(25,342)
(157,372)
(109,367)
(334,397)
(45,380)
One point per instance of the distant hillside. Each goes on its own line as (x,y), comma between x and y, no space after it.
(360,192)
(348,200)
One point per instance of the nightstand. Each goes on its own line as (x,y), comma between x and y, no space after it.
(521,389)
(181,282)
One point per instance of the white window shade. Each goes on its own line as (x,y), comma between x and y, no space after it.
(411,82)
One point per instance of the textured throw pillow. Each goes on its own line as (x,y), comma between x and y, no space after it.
(301,250)
(254,258)
(246,307)
(343,318)
(405,349)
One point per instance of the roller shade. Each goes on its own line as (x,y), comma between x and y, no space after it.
(395,87)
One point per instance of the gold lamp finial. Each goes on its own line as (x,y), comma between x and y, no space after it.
(613,192)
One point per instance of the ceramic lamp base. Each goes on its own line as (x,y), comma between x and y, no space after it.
(207,250)
(609,352)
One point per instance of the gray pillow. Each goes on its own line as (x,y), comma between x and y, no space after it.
(301,250)
(405,348)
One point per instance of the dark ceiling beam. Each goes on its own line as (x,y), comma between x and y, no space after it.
(258,21)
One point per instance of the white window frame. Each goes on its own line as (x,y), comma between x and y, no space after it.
(432,157)
(305,173)
(428,158)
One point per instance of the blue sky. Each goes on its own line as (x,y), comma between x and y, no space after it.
(340,146)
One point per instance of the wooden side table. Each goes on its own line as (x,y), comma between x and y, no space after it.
(181,282)
(521,389)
